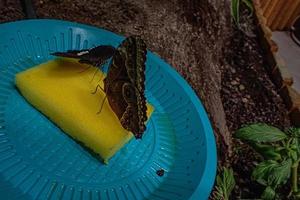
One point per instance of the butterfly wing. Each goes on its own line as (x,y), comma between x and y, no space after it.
(128,68)
(135,67)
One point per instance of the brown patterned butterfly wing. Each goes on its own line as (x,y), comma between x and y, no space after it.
(125,85)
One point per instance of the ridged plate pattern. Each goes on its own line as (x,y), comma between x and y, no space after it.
(39,161)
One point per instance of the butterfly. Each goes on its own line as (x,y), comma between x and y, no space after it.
(124,84)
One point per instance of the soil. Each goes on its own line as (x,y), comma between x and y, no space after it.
(248,96)
(10,10)
(222,63)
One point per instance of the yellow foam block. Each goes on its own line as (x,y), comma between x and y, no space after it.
(62,90)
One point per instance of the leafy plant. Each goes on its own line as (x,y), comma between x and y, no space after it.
(235,8)
(225,185)
(281,152)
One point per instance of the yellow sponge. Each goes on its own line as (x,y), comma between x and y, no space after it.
(62,90)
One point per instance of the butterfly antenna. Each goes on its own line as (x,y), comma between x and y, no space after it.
(102,103)
(96,71)
(85,69)
(99,64)
(101,77)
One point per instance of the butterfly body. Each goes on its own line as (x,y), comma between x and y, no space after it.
(95,56)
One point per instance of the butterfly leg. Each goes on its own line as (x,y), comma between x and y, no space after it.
(98,87)
(96,71)
(85,69)
(102,103)
(100,63)
(101,78)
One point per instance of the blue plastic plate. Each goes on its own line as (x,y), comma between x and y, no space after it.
(39,161)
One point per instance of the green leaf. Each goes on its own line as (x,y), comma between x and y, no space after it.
(268,194)
(225,184)
(262,171)
(272,173)
(235,10)
(280,173)
(293,155)
(248,3)
(219,180)
(260,133)
(295,149)
(297,195)
(295,143)
(228,179)
(262,182)
(267,151)
(294,132)
(297,132)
